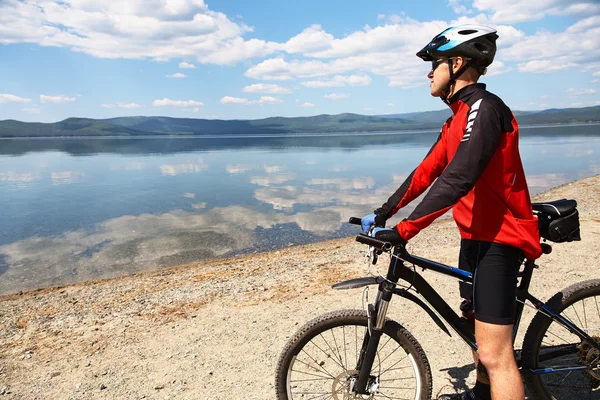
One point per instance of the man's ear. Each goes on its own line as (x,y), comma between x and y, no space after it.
(458,63)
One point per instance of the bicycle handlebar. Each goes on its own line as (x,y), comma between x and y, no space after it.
(355,221)
(378,244)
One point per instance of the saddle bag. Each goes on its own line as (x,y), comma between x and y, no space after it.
(560,228)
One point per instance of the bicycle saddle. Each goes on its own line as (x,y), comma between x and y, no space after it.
(556,208)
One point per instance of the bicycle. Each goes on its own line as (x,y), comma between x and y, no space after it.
(353,354)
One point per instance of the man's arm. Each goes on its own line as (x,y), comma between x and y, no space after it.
(475,151)
(419,180)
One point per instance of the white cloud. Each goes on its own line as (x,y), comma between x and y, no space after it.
(56,99)
(510,11)
(159,30)
(176,75)
(234,100)
(579,92)
(269,100)
(339,81)
(390,104)
(11,98)
(266,88)
(128,105)
(307,104)
(186,65)
(195,109)
(176,103)
(240,100)
(458,8)
(311,39)
(337,96)
(107,105)
(32,110)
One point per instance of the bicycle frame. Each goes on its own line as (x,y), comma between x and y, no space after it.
(399,271)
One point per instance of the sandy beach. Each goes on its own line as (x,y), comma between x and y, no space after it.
(214,329)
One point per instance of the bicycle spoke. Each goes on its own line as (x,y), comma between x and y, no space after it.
(580,323)
(341,363)
(584,316)
(328,356)
(393,365)
(338,350)
(345,352)
(307,373)
(316,362)
(389,355)
(392,398)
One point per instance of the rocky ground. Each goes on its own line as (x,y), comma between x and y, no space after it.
(214,330)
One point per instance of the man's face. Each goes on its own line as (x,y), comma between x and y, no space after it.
(439,76)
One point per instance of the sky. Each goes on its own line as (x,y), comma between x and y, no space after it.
(239,59)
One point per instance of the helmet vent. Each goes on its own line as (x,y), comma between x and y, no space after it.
(467,31)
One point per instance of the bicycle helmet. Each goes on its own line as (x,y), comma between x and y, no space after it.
(473,41)
(476,43)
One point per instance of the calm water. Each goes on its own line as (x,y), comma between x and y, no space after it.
(78,209)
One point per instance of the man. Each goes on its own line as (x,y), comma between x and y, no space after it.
(479,174)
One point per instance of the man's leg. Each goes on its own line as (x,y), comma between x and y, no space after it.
(495,350)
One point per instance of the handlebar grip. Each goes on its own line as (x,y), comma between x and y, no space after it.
(355,221)
(378,244)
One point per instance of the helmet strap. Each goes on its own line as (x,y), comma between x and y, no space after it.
(453,78)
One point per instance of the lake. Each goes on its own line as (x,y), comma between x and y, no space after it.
(82,208)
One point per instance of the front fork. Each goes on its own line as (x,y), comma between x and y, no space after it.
(376,319)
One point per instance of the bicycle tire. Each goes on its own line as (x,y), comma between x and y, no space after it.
(298,349)
(544,335)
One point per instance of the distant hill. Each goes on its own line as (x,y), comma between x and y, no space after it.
(350,123)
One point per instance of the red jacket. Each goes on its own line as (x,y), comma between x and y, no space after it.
(479,172)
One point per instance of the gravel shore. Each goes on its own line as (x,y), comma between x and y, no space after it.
(214,330)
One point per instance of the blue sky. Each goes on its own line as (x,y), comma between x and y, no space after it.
(240,59)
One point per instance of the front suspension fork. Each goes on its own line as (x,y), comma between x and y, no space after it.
(376,319)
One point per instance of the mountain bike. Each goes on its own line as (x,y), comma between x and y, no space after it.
(362,354)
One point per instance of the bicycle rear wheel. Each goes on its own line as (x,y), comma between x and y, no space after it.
(549,345)
(319,362)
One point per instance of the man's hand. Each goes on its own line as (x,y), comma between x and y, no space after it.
(388,235)
(372,219)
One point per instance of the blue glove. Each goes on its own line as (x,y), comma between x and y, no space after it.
(388,235)
(367,222)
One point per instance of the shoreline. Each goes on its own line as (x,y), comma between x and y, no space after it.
(228,260)
(284,135)
(214,329)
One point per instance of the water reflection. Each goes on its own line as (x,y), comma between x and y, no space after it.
(191,199)
(178,169)
(66,177)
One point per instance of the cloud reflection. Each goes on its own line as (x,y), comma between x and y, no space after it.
(17,177)
(133,243)
(271,180)
(343,183)
(66,177)
(177,169)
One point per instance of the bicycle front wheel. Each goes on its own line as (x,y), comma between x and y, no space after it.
(548,345)
(320,361)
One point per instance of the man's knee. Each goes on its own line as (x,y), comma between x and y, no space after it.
(494,345)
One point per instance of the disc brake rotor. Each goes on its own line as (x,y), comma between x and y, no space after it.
(340,389)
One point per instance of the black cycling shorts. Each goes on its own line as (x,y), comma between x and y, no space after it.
(495,268)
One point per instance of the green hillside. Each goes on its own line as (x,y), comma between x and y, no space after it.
(136,126)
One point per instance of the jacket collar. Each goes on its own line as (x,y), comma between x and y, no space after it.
(463,95)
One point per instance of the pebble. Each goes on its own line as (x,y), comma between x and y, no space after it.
(54,374)
(103,386)
(159,387)
(4,390)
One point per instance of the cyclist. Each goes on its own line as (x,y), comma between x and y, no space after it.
(479,174)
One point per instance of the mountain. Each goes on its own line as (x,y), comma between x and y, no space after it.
(68,127)
(346,123)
